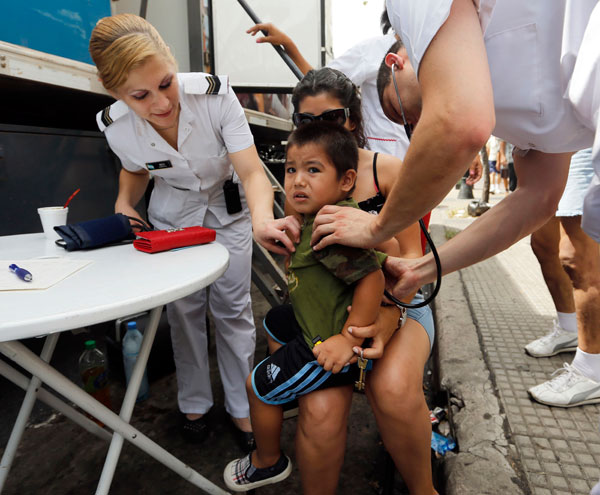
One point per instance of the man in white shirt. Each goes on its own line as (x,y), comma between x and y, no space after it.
(451,78)
(360,63)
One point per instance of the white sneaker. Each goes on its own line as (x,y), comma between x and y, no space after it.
(569,388)
(558,340)
(596,489)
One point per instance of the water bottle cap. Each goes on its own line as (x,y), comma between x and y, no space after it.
(90,344)
(131,324)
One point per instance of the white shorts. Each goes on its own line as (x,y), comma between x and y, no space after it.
(581,172)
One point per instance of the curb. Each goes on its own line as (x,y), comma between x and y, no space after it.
(486,463)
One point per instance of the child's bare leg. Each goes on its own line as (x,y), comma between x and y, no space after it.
(266,420)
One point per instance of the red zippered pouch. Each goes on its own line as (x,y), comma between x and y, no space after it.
(156,241)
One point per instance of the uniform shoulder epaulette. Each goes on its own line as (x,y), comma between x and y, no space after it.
(206,84)
(111,113)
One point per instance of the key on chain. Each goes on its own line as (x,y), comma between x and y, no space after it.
(362,364)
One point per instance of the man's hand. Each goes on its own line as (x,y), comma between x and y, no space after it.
(401,277)
(380,332)
(275,235)
(343,225)
(335,353)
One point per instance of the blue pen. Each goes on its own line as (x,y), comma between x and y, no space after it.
(20,272)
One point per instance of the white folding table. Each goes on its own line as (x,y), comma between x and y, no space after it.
(120,281)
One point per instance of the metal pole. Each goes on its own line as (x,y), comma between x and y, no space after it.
(195,36)
(24,412)
(286,58)
(18,353)
(143,8)
(131,393)
(54,402)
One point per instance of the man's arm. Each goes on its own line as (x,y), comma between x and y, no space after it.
(456,119)
(336,351)
(542,178)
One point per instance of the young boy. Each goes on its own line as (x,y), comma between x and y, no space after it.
(314,346)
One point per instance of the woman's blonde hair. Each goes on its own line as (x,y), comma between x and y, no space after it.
(121,43)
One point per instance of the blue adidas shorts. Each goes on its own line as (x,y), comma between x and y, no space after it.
(292,370)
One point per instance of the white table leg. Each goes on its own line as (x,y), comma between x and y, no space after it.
(129,401)
(24,412)
(55,403)
(18,353)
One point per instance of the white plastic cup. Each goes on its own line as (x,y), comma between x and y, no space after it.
(51,216)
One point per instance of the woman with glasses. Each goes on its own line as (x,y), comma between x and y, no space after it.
(394,386)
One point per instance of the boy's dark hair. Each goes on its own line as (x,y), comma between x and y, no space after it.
(384,75)
(338,85)
(384,21)
(337,142)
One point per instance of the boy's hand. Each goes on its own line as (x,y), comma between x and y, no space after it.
(334,353)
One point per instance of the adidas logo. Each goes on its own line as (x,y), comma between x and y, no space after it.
(272,372)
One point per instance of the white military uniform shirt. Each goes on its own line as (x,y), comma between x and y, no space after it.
(524,45)
(210,126)
(361,64)
(188,191)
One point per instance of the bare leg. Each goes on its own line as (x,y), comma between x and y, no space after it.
(244,424)
(321,438)
(266,423)
(545,244)
(580,258)
(395,391)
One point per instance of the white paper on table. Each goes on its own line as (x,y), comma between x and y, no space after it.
(45,272)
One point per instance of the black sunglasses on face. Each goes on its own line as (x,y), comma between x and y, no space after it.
(338,115)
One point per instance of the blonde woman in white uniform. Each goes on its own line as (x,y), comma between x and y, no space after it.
(188,132)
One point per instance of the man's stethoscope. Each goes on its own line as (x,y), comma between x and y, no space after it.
(409,129)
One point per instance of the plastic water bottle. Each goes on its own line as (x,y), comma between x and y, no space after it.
(132,342)
(441,444)
(94,374)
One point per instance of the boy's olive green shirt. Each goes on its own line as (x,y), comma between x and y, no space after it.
(321,283)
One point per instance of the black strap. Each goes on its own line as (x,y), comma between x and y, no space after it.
(375,172)
(143,226)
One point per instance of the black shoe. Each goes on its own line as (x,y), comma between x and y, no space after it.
(240,475)
(194,431)
(244,439)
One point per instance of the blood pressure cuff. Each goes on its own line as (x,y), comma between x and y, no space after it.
(163,240)
(97,233)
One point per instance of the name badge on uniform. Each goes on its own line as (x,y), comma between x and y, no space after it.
(159,165)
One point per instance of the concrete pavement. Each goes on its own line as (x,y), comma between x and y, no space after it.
(506,442)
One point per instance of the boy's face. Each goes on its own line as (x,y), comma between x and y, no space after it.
(311,179)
